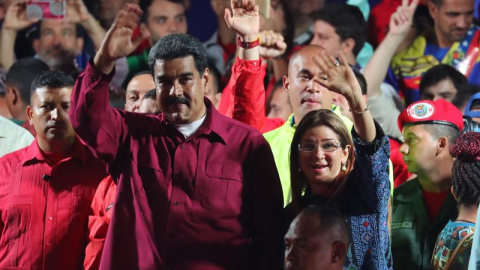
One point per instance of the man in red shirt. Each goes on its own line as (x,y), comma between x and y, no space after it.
(46,188)
(104,198)
(195,189)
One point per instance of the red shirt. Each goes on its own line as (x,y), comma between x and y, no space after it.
(98,221)
(247,105)
(44,222)
(434,202)
(213,201)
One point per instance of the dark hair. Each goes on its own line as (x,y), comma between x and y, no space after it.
(331,221)
(179,46)
(311,120)
(52,79)
(437,3)
(22,73)
(145,6)
(441,72)
(151,94)
(440,130)
(348,22)
(466,168)
(213,70)
(462,97)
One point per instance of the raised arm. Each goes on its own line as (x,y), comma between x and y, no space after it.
(248,92)
(77,12)
(338,77)
(99,125)
(15,20)
(377,67)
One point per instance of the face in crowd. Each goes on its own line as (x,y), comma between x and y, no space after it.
(303,83)
(58,45)
(180,89)
(136,89)
(49,115)
(165,18)
(310,245)
(452,18)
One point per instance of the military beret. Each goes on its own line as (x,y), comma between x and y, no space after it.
(431,112)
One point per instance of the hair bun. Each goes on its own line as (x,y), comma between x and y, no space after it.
(467,147)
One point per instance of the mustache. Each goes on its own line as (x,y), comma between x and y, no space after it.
(59,123)
(177,100)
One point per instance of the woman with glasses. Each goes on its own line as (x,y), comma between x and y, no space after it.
(346,172)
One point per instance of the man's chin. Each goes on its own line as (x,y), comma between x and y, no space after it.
(177,117)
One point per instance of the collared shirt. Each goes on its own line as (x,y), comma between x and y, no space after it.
(100,216)
(413,235)
(44,209)
(212,201)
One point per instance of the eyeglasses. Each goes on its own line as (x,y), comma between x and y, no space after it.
(312,147)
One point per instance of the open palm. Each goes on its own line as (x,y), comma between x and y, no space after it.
(244,19)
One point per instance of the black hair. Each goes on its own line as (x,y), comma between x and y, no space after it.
(52,79)
(348,22)
(331,221)
(22,73)
(151,94)
(466,168)
(178,46)
(441,72)
(145,6)
(218,77)
(462,97)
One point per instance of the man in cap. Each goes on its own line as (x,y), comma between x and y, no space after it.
(422,206)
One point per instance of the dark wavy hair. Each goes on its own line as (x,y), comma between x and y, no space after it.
(466,168)
(313,119)
(179,46)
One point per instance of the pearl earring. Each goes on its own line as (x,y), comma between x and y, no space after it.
(344,168)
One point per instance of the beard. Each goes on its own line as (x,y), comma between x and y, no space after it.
(58,58)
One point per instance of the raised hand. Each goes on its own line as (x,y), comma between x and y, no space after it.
(76,11)
(244,20)
(16,16)
(336,75)
(118,41)
(401,21)
(272,44)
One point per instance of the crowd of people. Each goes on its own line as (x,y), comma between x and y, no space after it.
(240,134)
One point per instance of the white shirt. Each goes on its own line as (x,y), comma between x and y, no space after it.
(12,137)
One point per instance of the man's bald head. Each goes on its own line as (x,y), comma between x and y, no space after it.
(318,238)
(303,83)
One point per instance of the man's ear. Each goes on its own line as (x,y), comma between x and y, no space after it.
(348,45)
(442,145)
(13,96)
(286,84)
(29,112)
(339,251)
(432,9)
(205,78)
